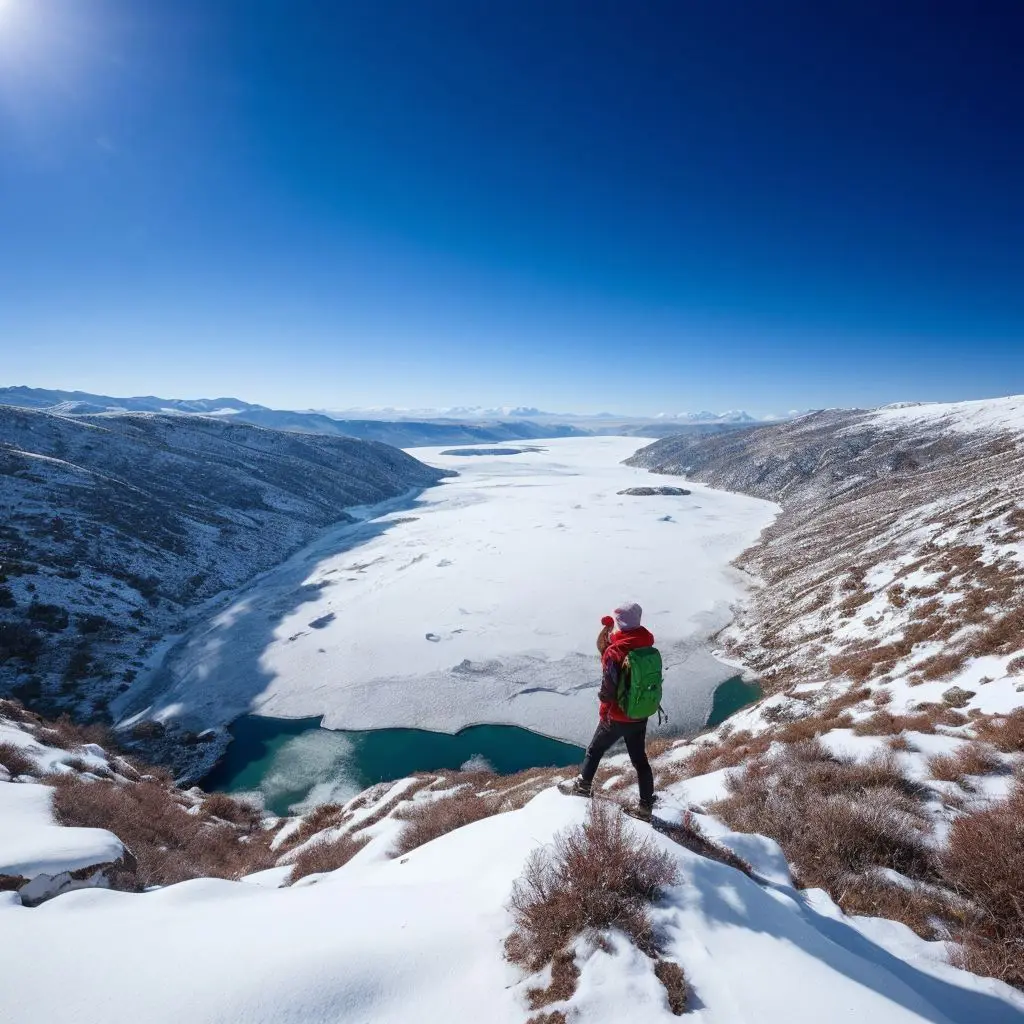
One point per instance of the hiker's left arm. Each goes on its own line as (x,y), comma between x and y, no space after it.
(609,681)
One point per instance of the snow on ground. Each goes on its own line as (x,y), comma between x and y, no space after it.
(385,941)
(989,414)
(31,844)
(477,603)
(38,857)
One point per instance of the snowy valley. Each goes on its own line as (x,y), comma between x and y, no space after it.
(848,847)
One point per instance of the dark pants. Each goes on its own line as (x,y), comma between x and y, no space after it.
(635,735)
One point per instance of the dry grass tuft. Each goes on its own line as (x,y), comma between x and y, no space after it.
(321,817)
(238,812)
(970,759)
(900,742)
(169,844)
(670,974)
(984,862)
(852,816)
(325,855)
(65,733)
(15,760)
(555,1017)
(389,805)
(661,745)
(920,909)
(733,750)
(564,975)
(1004,732)
(926,719)
(433,818)
(596,875)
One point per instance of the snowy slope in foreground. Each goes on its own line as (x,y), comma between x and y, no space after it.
(478,603)
(388,941)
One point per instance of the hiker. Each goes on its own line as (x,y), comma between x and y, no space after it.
(617,690)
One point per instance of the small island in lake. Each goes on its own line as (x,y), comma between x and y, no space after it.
(490,451)
(649,492)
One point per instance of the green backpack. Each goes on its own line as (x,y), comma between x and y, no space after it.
(640,683)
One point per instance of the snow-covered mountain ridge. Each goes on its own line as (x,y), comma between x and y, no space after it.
(115,526)
(900,550)
(400,431)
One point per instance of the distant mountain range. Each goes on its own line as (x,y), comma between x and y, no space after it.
(401,433)
(403,428)
(476,412)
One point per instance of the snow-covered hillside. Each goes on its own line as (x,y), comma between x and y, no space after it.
(113,527)
(900,550)
(410,919)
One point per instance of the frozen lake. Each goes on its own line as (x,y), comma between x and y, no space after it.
(477,602)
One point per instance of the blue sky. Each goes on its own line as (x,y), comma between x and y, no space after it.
(577,206)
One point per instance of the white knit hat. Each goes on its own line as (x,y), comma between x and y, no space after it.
(627,615)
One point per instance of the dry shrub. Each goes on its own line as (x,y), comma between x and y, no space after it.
(984,863)
(65,733)
(15,760)
(919,908)
(733,750)
(238,812)
(970,759)
(832,818)
(811,727)
(14,711)
(881,697)
(661,745)
(670,974)
(432,818)
(564,975)
(595,875)
(555,1017)
(939,666)
(169,844)
(850,698)
(901,743)
(319,818)
(885,723)
(776,714)
(1004,732)
(389,805)
(325,855)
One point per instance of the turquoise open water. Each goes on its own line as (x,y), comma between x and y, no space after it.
(295,763)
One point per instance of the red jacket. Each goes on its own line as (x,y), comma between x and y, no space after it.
(619,645)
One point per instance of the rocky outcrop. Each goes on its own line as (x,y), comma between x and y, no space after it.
(650,492)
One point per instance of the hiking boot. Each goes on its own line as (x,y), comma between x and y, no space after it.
(580,786)
(645,809)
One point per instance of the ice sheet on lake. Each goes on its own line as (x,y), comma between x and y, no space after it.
(478,602)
